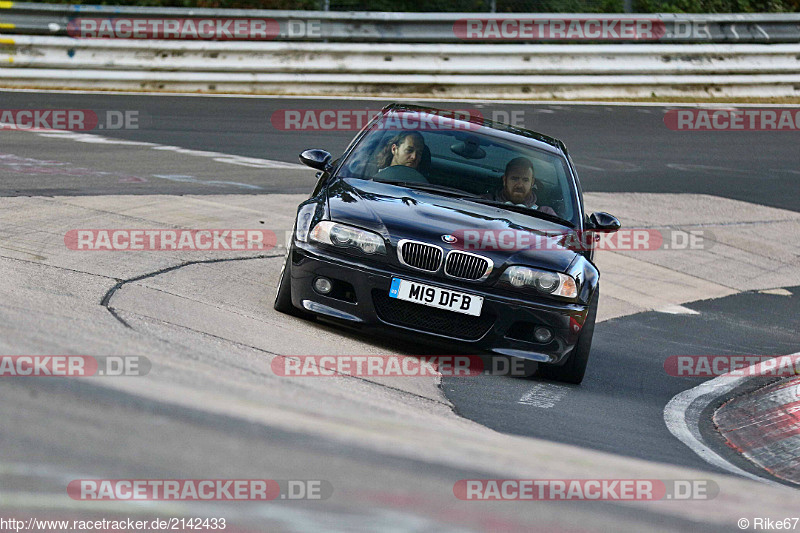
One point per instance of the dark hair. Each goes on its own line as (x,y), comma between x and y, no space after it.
(519,163)
(384,157)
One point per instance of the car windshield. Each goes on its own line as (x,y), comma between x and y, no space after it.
(439,154)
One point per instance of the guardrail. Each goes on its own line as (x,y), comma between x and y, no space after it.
(54,19)
(396,66)
(462,71)
(518,60)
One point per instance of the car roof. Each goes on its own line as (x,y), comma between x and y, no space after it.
(495,129)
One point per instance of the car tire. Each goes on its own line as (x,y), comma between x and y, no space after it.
(283,296)
(575,367)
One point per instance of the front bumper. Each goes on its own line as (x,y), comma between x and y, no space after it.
(504,327)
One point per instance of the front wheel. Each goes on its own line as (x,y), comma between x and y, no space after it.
(574,369)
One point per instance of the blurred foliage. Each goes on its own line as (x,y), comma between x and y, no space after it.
(716,6)
(227,4)
(477,6)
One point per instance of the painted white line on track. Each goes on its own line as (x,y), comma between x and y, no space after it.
(191,179)
(777,292)
(590,167)
(544,395)
(675,309)
(89,138)
(399,99)
(682,417)
(231,159)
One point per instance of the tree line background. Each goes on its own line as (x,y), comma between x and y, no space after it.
(478,6)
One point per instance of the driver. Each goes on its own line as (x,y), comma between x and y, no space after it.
(517,186)
(405,149)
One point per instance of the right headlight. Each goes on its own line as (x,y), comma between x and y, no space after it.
(543,281)
(303,223)
(344,236)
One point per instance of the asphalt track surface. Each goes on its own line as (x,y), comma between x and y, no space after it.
(616,148)
(618,408)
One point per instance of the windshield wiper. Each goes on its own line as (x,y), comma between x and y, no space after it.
(429,187)
(519,208)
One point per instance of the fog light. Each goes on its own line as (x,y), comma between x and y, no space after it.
(542,334)
(323,285)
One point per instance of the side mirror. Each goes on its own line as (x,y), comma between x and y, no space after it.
(318,159)
(603,222)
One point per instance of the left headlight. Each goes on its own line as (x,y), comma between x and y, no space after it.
(344,236)
(543,281)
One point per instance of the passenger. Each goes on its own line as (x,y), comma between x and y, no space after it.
(405,149)
(517,186)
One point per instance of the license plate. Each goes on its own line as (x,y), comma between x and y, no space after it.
(458,302)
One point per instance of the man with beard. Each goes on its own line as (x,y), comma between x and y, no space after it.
(517,186)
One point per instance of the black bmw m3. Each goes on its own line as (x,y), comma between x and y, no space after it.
(455,229)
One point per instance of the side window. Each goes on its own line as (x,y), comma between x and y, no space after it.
(361,161)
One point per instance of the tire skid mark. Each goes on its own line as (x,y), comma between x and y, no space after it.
(106,301)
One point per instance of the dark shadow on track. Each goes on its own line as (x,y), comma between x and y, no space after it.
(619,407)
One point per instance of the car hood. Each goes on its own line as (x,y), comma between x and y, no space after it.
(398,212)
